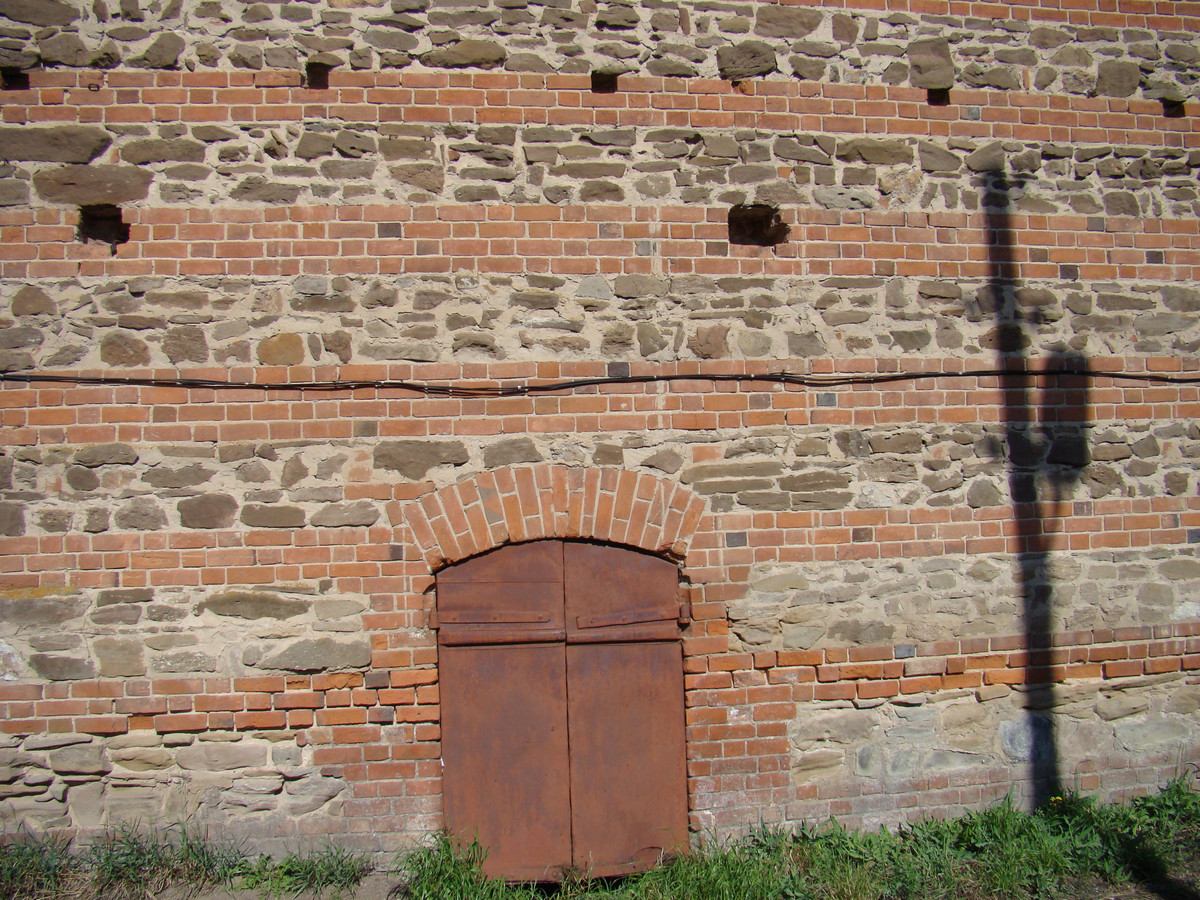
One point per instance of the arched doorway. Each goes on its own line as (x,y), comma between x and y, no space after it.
(561,687)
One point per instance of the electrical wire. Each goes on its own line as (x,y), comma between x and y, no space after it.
(525,389)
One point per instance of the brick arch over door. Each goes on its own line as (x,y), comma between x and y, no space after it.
(532,503)
(737,717)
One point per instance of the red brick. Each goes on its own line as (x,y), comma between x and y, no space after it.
(1123,669)
(298,700)
(868,690)
(180,722)
(838,691)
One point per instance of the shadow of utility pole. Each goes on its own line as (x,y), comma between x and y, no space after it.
(1046,448)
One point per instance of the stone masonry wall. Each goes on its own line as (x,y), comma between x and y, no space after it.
(909,597)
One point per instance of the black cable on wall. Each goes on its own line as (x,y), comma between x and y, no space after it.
(547,387)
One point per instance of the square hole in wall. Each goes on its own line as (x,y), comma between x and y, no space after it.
(756,225)
(1173,109)
(604,82)
(938,96)
(316,76)
(102,224)
(13,79)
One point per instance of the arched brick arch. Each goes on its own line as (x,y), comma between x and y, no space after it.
(731,780)
(529,503)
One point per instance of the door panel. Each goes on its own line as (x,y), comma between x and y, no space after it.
(628,777)
(571,753)
(500,612)
(533,561)
(504,752)
(615,594)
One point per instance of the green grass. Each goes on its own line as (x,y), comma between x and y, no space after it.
(34,867)
(127,863)
(1000,853)
(329,869)
(132,863)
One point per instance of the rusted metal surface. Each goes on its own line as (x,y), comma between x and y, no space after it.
(570,754)
(603,582)
(628,777)
(533,561)
(491,613)
(509,595)
(504,753)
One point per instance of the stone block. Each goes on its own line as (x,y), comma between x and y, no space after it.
(62,668)
(222,756)
(39,12)
(281,350)
(791,22)
(272,516)
(930,64)
(319,655)
(119,657)
(413,459)
(469,53)
(1118,78)
(58,143)
(96,185)
(207,511)
(252,605)
(746,60)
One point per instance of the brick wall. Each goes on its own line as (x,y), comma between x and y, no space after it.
(971,572)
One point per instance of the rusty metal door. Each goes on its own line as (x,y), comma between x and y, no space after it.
(562,709)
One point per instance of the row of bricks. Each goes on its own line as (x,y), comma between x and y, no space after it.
(417,672)
(414,78)
(1176,638)
(582,221)
(451,230)
(48,410)
(37,561)
(783,105)
(104,571)
(41,245)
(333,707)
(589,221)
(952,373)
(1070,264)
(181,706)
(971,251)
(12,722)
(32,426)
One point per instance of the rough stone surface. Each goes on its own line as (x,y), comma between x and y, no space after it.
(464,54)
(746,60)
(413,459)
(252,605)
(281,350)
(1117,78)
(208,511)
(58,143)
(93,185)
(106,455)
(163,53)
(930,64)
(322,654)
(786,21)
(39,12)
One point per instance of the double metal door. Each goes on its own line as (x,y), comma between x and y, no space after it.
(562,709)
